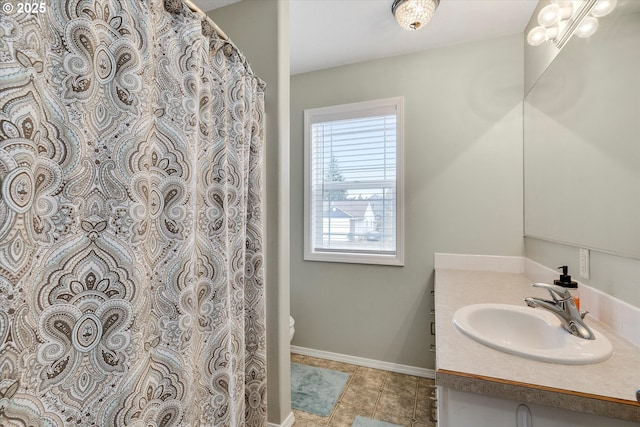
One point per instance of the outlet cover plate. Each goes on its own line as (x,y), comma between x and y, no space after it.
(584,263)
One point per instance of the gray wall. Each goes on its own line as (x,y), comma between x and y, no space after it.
(463,183)
(266,46)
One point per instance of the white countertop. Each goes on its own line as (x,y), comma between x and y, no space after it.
(613,381)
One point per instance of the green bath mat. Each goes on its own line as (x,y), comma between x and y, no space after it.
(368,422)
(315,390)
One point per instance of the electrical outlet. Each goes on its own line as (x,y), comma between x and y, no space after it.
(584,263)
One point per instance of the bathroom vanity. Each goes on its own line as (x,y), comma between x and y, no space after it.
(480,386)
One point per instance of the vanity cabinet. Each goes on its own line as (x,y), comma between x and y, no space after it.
(482,387)
(457,408)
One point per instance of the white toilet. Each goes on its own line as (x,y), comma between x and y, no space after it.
(292,328)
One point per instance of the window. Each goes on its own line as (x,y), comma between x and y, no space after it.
(353,183)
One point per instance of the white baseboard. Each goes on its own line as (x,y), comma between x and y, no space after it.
(288,422)
(361,361)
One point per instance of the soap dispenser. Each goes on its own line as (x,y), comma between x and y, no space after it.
(566,282)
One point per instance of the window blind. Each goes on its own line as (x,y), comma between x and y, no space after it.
(353,183)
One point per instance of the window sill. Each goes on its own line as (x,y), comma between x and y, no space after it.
(350,258)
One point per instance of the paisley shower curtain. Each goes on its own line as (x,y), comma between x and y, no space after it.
(131,270)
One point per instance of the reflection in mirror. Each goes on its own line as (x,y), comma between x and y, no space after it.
(582,141)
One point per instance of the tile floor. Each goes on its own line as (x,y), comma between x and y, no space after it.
(372,393)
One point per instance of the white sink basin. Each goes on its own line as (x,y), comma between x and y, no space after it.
(528,332)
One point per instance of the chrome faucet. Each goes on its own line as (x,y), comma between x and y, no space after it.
(563,306)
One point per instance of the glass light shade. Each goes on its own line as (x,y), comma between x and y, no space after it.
(548,15)
(553,13)
(414,14)
(587,27)
(540,34)
(603,8)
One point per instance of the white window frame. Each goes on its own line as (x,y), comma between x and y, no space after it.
(348,111)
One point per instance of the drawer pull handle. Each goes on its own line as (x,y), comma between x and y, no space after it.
(433,409)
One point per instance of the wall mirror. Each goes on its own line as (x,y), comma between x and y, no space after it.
(582,141)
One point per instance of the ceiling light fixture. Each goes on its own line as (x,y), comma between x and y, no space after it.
(414,14)
(560,19)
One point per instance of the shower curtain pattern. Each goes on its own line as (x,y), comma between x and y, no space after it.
(131,271)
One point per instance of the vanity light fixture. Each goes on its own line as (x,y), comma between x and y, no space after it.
(561,19)
(414,14)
